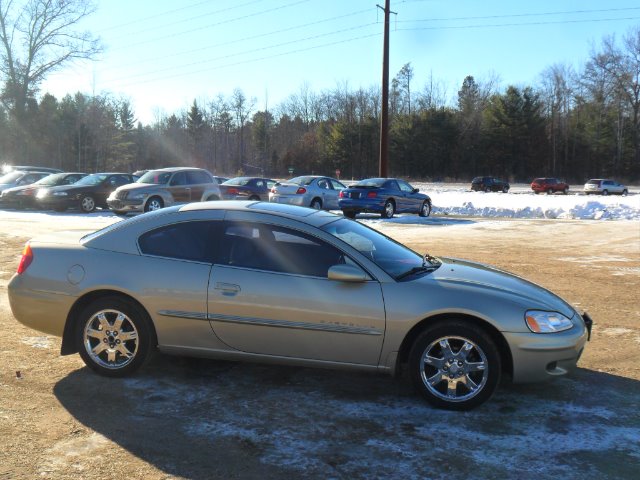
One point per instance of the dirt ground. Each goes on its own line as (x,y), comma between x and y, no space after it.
(194,419)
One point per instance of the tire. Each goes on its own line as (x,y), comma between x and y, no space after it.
(550,191)
(441,366)
(565,191)
(425,209)
(487,189)
(316,204)
(114,336)
(153,204)
(505,189)
(389,209)
(254,198)
(213,198)
(87,204)
(349,214)
(605,192)
(625,192)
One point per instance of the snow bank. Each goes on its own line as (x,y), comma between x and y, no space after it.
(520,203)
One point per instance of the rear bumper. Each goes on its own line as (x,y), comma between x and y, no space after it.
(299,200)
(43,311)
(360,205)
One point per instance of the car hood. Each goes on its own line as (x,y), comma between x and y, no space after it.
(140,187)
(462,273)
(72,188)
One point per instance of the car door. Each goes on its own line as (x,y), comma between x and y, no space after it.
(197,181)
(412,202)
(179,187)
(269,294)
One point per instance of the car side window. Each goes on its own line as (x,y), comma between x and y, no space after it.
(278,249)
(322,183)
(337,185)
(197,177)
(405,187)
(180,178)
(195,241)
(270,184)
(392,185)
(118,180)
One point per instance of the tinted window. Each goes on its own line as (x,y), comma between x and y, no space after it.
(198,176)
(278,249)
(391,185)
(185,241)
(323,183)
(405,187)
(337,185)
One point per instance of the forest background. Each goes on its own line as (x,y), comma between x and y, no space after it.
(571,124)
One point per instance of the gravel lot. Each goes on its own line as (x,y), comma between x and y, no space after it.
(181,418)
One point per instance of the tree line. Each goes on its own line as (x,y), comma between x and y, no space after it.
(571,124)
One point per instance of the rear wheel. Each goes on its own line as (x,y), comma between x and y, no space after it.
(87,204)
(624,192)
(114,336)
(425,209)
(565,190)
(605,192)
(505,189)
(153,204)
(349,214)
(316,204)
(254,197)
(455,365)
(549,191)
(389,209)
(487,189)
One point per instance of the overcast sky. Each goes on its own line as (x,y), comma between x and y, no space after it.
(163,54)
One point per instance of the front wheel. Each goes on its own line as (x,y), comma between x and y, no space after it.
(114,336)
(425,209)
(153,204)
(87,204)
(605,192)
(487,189)
(624,192)
(455,365)
(550,191)
(389,209)
(505,189)
(565,191)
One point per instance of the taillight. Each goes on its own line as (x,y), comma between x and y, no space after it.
(372,195)
(301,190)
(25,260)
(341,194)
(232,191)
(273,190)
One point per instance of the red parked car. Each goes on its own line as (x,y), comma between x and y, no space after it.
(549,185)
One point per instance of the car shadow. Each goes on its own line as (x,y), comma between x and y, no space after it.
(203,418)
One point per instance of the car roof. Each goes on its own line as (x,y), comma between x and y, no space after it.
(174,169)
(280,209)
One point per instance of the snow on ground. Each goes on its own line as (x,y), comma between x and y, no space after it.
(521,202)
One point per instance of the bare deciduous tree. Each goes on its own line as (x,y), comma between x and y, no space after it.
(37,37)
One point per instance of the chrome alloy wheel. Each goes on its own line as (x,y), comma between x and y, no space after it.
(111,339)
(154,204)
(454,369)
(88,204)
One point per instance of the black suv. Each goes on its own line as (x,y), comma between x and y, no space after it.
(489,184)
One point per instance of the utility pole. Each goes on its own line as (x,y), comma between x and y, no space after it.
(384,121)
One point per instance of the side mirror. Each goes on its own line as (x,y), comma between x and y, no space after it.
(347,273)
(416,190)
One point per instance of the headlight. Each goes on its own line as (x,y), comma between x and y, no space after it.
(42,193)
(136,196)
(546,322)
(60,194)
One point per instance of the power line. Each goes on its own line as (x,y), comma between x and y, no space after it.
(524,24)
(516,15)
(268,47)
(223,22)
(244,39)
(176,10)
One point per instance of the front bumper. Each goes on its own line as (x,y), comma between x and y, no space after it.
(53,202)
(538,357)
(125,205)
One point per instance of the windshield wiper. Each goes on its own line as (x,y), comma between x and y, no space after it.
(429,264)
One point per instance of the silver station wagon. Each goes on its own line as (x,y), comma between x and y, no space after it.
(275,283)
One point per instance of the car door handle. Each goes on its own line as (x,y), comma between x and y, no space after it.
(228,289)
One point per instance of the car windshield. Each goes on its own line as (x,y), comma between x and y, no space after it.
(155,177)
(302,180)
(238,182)
(53,179)
(93,179)
(391,256)
(371,182)
(11,177)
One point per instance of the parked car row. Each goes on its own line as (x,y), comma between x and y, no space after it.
(550,185)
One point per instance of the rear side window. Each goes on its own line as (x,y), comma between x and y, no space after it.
(196,241)
(195,177)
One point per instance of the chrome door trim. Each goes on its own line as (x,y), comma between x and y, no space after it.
(325,327)
(181,314)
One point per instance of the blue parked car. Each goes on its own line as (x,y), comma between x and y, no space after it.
(385,196)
